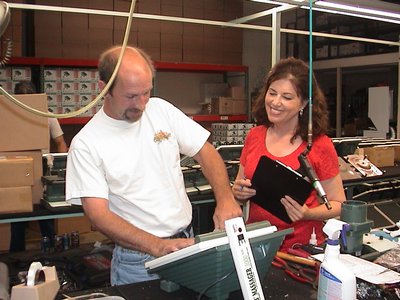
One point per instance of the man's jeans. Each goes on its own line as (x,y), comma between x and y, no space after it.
(128,266)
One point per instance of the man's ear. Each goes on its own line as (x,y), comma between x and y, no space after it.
(101,84)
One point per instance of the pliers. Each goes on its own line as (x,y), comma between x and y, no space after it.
(297,272)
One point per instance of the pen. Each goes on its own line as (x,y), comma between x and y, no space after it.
(241,187)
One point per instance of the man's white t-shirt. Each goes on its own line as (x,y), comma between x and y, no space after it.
(136,166)
(55,128)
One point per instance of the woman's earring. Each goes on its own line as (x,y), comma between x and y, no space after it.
(301,112)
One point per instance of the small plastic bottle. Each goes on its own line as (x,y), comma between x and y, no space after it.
(336,280)
(313,239)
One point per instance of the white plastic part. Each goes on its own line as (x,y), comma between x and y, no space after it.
(313,238)
(336,280)
(243,259)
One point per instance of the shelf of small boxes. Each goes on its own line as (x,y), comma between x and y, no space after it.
(10,76)
(230,133)
(70,89)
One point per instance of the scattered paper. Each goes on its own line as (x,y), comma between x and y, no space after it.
(366,270)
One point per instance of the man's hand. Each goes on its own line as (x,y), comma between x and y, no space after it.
(171,245)
(225,210)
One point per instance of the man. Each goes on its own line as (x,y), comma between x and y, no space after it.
(17,241)
(124,167)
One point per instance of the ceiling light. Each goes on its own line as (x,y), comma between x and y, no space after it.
(357,9)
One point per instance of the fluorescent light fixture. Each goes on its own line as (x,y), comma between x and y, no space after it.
(354,14)
(355,10)
(283,2)
(359,11)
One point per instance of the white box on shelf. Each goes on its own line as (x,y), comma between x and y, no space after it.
(87,87)
(70,87)
(54,100)
(5,73)
(52,87)
(69,75)
(70,100)
(52,74)
(87,75)
(23,73)
(7,85)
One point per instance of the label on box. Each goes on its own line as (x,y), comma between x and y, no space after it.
(21,74)
(69,75)
(87,88)
(52,87)
(54,100)
(70,100)
(5,73)
(70,87)
(52,74)
(87,75)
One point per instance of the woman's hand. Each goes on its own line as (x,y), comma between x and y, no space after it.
(242,190)
(295,211)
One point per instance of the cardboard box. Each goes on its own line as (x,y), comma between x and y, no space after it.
(16,171)
(16,199)
(37,188)
(48,49)
(237,92)
(21,73)
(239,107)
(23,130)
(5,233)
(380,156)
(221,106)
(396,153)
(81,224)
(5,73)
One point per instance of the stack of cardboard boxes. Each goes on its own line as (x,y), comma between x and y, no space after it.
(84,36)
(231,101)
(23,137)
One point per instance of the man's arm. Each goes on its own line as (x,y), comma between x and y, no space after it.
(214,169)
(60,144)
(125,234)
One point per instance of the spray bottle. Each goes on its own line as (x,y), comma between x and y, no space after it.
(336,280)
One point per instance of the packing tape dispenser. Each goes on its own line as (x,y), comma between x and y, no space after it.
(41,284)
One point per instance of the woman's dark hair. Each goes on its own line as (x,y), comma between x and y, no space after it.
(297,72)
(25,87)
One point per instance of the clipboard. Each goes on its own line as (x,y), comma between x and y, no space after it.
(273,180)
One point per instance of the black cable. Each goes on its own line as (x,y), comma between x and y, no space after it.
(214,283)
(309,170)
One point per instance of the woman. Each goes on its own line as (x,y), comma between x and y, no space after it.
(281,111)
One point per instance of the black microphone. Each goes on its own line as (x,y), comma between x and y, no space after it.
(314,179)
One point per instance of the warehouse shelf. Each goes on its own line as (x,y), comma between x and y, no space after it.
(160,66)
(219,118)
(197,118)
(37,61)
(191,67)
(74,121)
(228,71)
